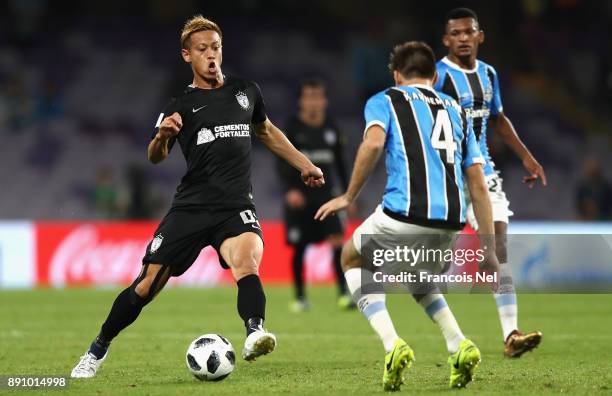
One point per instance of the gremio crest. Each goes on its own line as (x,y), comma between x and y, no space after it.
(243,100)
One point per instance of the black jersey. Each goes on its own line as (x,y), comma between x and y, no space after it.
(323,146)
(216,142)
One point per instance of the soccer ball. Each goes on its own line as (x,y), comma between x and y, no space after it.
(211,357)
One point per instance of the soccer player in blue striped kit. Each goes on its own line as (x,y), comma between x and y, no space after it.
(430,148)
(474,84)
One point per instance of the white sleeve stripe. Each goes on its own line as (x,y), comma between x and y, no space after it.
(372,123)
(159,120)
(478,160)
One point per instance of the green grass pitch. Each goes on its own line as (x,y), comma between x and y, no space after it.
(324,351)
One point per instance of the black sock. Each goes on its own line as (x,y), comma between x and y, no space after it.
(251,300)
(341,282)
(125,310)
(254,324)
(99,347)
(298,271)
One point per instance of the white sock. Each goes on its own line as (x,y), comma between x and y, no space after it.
(372,306)
(505,299)
(436,307)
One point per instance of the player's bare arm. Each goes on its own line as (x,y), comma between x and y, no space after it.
(506,130)
(367,156)
(169,127)
(484,214)
(276,141)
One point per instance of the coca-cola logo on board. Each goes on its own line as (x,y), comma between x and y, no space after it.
(85,256)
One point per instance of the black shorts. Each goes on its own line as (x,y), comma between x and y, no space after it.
(302,228)
(183,233)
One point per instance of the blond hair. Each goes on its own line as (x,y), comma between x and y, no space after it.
(196,24)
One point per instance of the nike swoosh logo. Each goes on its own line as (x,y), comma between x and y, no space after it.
(456,364)
(390,360)
(254,226)
(198,109)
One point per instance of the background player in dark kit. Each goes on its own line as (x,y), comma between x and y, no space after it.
(475,85)
(212,121)
(316,135)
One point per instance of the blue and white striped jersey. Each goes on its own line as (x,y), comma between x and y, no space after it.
(477,91)
(428,145)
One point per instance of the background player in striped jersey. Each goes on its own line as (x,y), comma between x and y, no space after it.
(474,84)
(430,148)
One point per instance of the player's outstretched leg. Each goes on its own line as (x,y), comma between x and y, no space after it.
(464,355)
(243,254)
(125,310)
(516,343)
(300,304)
(345,301)
(399,356)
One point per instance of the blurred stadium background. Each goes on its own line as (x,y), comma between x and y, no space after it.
(82,84)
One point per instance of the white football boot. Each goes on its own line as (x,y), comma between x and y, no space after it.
(258,343)
(87,366)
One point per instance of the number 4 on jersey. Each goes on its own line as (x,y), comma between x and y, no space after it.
(443,126)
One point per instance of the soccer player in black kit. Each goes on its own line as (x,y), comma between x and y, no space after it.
(212,121)
(316,135)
